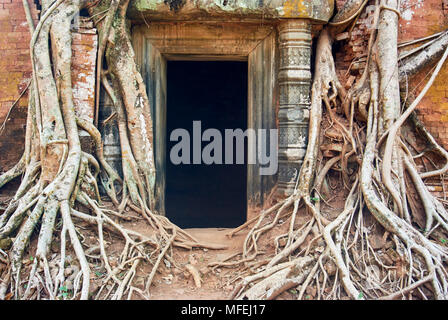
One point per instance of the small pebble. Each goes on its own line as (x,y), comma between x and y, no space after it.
(69,285)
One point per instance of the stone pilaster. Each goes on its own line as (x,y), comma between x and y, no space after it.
(294,80)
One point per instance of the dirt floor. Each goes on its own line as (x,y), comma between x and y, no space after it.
(175,284)
(172,281)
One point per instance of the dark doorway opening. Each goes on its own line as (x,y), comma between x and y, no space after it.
(215,93)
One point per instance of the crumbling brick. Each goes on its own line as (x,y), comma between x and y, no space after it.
(16,72)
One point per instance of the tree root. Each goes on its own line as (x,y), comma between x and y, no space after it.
(343,260)
(67,176)
(326,257)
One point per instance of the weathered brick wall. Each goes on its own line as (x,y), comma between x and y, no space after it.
(419,18)
(422,18)
(15,74)
(84,47)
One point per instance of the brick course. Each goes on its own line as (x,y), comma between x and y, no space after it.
(419,18)
(16,72)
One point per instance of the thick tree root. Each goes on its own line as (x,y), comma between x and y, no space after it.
(52,189)
(343,260)
(326,257)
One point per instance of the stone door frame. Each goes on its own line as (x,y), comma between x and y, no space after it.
(256,43)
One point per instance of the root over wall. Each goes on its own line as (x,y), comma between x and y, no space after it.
(418,19)
(16,73)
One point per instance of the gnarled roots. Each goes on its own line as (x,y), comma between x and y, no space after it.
(355,134)
(60,179)
(345,255)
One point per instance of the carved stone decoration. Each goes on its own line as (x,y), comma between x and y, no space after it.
(294,81)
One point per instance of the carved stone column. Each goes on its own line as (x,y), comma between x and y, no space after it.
(294,80)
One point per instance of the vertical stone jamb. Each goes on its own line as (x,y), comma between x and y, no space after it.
(294,80)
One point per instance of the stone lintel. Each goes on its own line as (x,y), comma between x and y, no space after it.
(318,11)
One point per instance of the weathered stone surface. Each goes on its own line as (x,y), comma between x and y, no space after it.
(318,10)
(294,81)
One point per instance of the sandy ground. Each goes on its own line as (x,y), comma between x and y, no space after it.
(215,284)
(172,281)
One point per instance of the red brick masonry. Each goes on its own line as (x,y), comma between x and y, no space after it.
(15,74)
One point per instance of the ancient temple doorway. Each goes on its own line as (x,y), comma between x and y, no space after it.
(204,190)
(252,46)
